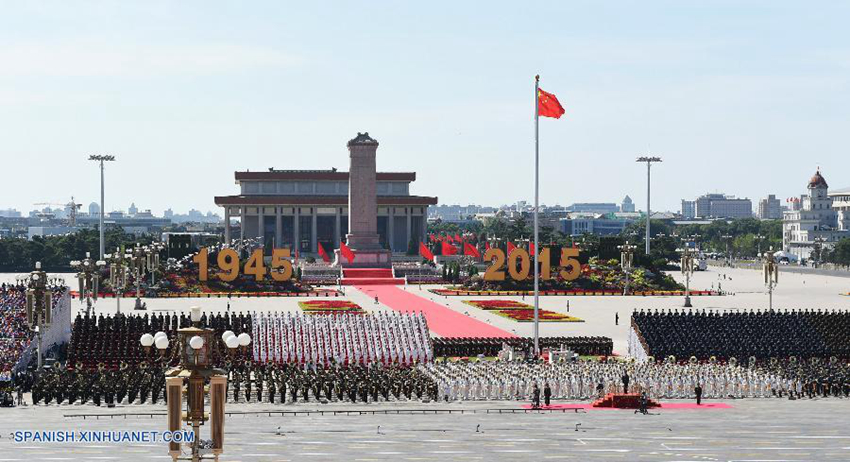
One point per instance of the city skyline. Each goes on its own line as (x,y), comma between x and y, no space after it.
(748,111)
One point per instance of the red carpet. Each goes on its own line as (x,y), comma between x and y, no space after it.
(664,406)
(442,320)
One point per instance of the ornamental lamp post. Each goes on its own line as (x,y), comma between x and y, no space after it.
(117,275)
(197,347)
(39,304)
(728,238)
(770,271)
(138,260)
(89,279)
(687,264)
(626,255)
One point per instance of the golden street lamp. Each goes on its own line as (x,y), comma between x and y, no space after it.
(117,275)
(196,349)
(39,303)
(89,279)
(687,264)
(626,256)
(770,270)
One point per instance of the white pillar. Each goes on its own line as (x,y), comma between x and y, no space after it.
(261,226)
(227,224)
(296,231)
(407,241)
(390,227)
(337,228)
(278,227)
(313,232)
(242,222)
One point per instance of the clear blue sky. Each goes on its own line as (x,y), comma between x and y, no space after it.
(746,98)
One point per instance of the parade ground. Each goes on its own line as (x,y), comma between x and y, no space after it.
(449,316)
(751,430)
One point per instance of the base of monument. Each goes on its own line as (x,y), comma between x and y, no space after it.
(371,258)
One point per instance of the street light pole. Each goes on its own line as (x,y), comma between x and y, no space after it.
(101,159)
(649,161)
(626,253)
(771,274)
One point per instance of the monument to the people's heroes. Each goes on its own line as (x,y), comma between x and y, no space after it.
(362,235)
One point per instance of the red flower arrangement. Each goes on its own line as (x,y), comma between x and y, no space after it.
(330,307)
(498,304)
(519,311)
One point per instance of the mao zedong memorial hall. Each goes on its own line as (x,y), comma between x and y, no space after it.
(302,209)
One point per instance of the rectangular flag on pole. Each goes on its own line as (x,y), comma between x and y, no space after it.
(424,252)
(470,250)
(346,252)
(323,254)
(548,105)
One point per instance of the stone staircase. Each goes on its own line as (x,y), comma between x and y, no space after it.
(369,277)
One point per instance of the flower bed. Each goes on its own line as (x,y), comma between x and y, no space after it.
(519,311)
(330,307)
(572,292)
(498,304)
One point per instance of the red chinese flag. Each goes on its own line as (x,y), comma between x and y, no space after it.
(449,238)
(448,249)
(470,250)
(487,245)
(346,252)
(458,238)
(548,105)
(511,247)
(323,254)
(431,237)
(424,252)
(531,248)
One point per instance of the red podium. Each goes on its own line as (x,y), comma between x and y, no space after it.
(623,401)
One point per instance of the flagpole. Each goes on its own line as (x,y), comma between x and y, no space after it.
(536,206)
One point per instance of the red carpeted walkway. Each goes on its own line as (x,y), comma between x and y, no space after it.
(664,406)
(442,320)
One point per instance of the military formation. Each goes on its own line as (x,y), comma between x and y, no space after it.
(741,334)
(491,346)
(582,380)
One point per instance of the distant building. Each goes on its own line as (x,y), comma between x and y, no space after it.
(94,210)
(722,206)
(689,209)
(133,209)
(583,223)
(627,206)
(591,207)
(822,219)
(770,208)
(10,213)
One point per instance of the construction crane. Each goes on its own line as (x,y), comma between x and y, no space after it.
(72,214)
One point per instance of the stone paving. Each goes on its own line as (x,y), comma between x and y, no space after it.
(752,430)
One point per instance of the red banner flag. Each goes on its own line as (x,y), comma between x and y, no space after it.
(323,254)
(511,247)
(487,245)
(346,252)
(470,250)
(458,238)
(448,249)
(431,237)
(531,249)
(449,238)
(548,105)
(424,252)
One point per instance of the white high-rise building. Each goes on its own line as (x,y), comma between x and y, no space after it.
(94,209)
(822,219)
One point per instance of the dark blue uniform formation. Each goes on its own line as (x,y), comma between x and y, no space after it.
(490,346)
(801,334)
